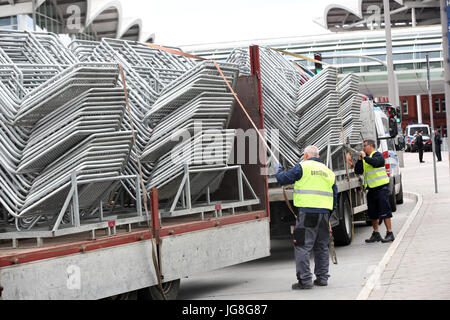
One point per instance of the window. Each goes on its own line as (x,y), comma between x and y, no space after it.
(403,66)
(445,131)
(437,105)
(428,46)
(405,106)
(432,54)
(402,56)
(375,68)
(403,48)
(350,70)
(5,21)
(443,105)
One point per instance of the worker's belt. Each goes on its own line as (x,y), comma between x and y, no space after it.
(316,192)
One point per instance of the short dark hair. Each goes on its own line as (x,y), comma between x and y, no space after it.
(370,142)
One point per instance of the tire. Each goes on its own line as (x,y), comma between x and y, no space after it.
(343,232)
(132,295)
(152,293)
(393,200)
(399,197)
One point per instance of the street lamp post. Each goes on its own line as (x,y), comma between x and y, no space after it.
(393,94)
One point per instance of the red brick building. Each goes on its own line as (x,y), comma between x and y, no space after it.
(410,115)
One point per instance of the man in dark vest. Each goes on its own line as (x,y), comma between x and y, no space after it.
(437,143)
(419,144)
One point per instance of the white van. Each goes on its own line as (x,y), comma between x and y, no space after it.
(410,131)
(375,126)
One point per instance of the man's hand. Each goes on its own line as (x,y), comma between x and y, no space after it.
(362,154)
(279,167)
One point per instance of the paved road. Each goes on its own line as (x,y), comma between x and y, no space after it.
(272,277)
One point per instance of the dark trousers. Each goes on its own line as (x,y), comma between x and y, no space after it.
(312,235)
(420,154)
(438,152)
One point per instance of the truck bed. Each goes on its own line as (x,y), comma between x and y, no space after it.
(28,251)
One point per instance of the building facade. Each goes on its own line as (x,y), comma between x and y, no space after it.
(413,105)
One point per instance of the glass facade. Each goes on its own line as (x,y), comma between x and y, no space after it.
(47,19)
(405,107)
(9,23)
(410,47)
(437,105)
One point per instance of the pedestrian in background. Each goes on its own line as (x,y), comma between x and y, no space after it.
(315,195)
(419,144)
(376,180)
(437,144)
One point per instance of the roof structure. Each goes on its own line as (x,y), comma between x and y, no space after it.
(103,18)
(350,15)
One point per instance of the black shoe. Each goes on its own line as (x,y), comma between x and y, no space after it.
(319,283)
(300,286)
(389,237)
(422,161)
(374,238)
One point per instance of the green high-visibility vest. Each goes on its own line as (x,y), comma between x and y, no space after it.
(374,177)
(315,188)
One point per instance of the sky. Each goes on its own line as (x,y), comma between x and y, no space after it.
(178,23)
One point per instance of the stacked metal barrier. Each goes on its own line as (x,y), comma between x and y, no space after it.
(305,109)
(59,120)
(350,100)
(66,136)
(318,108)
(147,72)
(281,81)
(197,104)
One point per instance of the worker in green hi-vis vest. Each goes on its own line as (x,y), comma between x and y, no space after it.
(376,181)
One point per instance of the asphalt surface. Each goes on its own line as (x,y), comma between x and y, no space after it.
(271,278)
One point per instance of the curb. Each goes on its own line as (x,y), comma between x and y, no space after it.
(373,279)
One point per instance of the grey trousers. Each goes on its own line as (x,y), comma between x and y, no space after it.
(311,234)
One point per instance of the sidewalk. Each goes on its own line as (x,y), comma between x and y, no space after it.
(419,268)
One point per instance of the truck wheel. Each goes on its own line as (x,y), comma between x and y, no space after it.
(342,233)
(152,293)
(132,295)
(399,197)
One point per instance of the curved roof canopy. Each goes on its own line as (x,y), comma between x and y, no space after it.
(349,15)
(101,18)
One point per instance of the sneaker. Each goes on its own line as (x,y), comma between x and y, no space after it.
(299,286)
(374,238)
(319,283)
(389,237)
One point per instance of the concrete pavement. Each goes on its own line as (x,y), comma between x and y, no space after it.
(419,267)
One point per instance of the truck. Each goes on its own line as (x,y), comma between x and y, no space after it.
(116,249)
(148,255)
(352,201)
